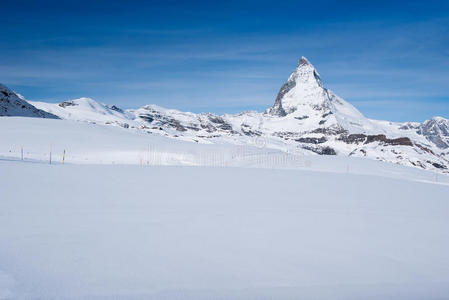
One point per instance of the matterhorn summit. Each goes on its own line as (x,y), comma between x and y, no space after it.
(304,97)
(303,87)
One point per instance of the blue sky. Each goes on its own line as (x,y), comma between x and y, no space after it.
(391,60)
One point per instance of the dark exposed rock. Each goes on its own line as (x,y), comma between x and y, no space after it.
(225,126)
(366,139)
(175,124)
(333,130)
(147,118)
(402,141)
(353,138)
(424,148)
(301,117)
(210,123)
(277,109)
(287,134)
(246,129)
(193,127)
(310,140)
(321,150)
(328,151)
(437,165)
(208,127)
(418,164)
(116,108)
(67,103)
(216,119)
(363,151)
(154,117)
(321,107)
(251,133)
(124,125)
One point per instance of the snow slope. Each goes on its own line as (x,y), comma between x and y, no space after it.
(304,97)
(13,104)
(86,109)
(129,232)
(95,144)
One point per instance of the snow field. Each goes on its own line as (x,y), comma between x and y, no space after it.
(128,232)
(109,145)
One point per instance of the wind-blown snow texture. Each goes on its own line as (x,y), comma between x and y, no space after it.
(130,232)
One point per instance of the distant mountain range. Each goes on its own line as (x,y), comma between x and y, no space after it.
(306,118)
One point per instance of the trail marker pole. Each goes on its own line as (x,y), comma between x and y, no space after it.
(50,154)
(21,153)
(63,157)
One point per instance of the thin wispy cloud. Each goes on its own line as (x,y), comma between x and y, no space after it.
(211,55)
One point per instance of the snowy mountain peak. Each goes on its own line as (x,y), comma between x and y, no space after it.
(304,94)
(436,130)
(303,87)
(304,98)
(438,119)
(86,109)
(84,99)
(87,102)
(306,72)
(304,60)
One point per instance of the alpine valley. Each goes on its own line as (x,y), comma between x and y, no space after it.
(306,118)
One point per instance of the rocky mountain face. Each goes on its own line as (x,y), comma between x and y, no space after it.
(302,91)
(12,104)
(436,130)
(306,118)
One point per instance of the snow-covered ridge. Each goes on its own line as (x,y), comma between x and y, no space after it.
(13,104)
(306,117)
(437,131)
(85,109)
